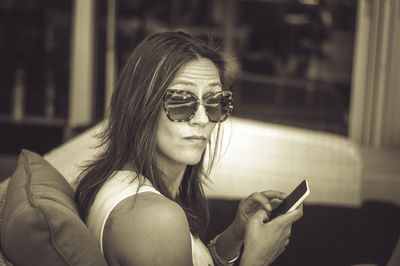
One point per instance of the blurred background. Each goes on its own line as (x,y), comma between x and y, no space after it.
(320,65)
(317,94)
(295,57)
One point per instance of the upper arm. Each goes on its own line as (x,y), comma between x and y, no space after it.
(151,230)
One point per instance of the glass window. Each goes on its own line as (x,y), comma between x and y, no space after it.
(295,57)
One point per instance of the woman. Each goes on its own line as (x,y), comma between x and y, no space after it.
(142,197)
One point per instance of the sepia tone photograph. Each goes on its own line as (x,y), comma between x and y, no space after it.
(200,132)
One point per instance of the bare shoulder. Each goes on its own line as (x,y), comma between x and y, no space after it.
(147,229)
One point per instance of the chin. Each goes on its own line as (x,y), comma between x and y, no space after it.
(192,159)
(193,163)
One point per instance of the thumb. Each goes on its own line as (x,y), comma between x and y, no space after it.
(259,216)
(290,217)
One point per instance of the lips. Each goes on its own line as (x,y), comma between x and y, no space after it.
(196,139)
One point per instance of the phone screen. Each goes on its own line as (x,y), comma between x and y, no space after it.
(292,201)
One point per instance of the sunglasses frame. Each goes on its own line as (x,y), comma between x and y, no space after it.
(170,92)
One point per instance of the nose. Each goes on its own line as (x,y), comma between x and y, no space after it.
(200,116)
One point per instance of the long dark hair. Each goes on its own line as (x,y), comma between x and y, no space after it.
(129,138)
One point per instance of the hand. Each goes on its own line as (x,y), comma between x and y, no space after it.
(266,200)
(264,242)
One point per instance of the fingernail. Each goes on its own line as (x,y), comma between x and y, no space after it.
(269,208)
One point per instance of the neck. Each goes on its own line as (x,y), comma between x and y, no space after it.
(173,174)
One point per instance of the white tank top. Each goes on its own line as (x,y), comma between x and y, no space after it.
(121,186)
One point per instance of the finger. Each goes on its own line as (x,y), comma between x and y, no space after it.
(272,194)
(299,210)
(262,200)
(275,202)
(259,216)
(290,217)
(286,242)
(288,232)
(281,250)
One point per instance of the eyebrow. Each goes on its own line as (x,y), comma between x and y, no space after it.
(184,82)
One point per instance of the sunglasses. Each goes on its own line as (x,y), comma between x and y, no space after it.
(181,106)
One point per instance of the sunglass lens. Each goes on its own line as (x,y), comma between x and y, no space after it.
(181,107)
(219,106)
(181,112)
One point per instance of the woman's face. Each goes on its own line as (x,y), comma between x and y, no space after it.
(183,143)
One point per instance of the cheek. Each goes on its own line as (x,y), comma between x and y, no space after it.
(210,128)
(172,147)
(166,133)
(169,144)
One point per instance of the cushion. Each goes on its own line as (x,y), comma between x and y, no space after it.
(3,194)
(40,221)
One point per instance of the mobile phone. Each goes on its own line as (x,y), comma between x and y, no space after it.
(291,202)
